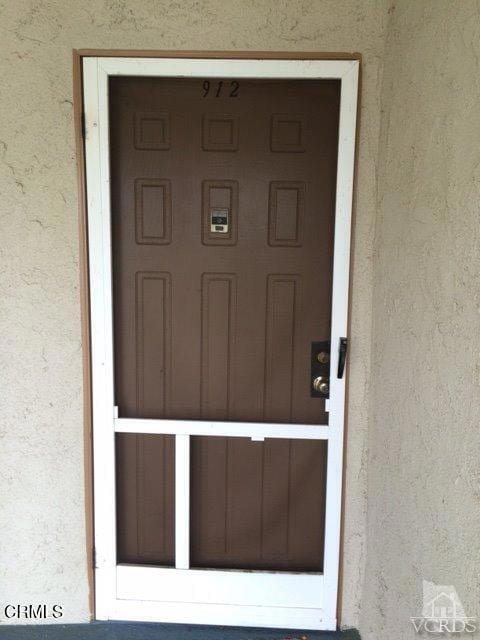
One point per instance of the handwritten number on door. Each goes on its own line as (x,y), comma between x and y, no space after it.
(218,88)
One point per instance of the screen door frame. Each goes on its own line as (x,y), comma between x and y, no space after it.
(181,594)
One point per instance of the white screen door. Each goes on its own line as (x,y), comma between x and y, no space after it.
(187,588)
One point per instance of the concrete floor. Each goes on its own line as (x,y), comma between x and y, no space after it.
(137,631)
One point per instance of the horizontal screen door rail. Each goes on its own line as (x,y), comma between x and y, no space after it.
(217,68)
(220,614)
(210,586)
(254,430)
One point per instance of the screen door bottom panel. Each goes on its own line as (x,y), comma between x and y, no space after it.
(251,504)
(145,481)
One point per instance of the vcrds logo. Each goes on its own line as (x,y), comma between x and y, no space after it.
(32,611)
(442,612)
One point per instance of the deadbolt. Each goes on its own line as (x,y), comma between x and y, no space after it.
(320,384)
(323,357)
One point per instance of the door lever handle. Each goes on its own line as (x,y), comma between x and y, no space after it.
(342,356)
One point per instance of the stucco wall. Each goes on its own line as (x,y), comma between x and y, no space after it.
(421,450)
(422,401)
(42,541)
(423,466)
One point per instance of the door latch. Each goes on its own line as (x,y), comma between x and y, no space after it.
(320,369)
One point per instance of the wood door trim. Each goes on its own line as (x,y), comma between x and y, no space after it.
(230,55)
(77,59)
(347,370)
(85,323)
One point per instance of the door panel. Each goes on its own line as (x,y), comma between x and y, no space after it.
(258,505)
(215,320)
(269,157)
(145,499)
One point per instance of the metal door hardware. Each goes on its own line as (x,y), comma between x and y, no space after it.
(320,384)
(320,369)
(342,356)
(219,220)
(323,357)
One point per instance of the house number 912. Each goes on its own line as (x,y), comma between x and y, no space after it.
(217,89)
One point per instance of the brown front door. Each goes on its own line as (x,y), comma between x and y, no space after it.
(222,234)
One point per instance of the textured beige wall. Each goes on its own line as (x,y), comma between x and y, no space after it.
(42,542)
(423,497)
(423,467)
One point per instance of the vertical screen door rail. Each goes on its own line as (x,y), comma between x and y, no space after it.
(182,501)
(181,594)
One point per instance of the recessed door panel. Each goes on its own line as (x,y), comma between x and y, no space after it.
(258,505)
(145,499)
